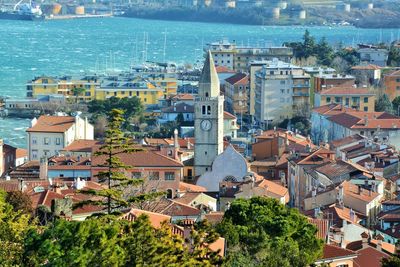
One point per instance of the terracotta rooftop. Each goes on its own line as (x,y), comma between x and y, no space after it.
(274,188)
(332,109)
(228,115)
(335,252)
(364,195)
(182,97)
(214,217)
(370,257)
(221,69)
(172,208)
(322,226)
(21,153)
(357,120)
(238,78)
(52,124)
(366,67)
(186,187)
(81,145)
(347,140)
(346,91)
(145,158)
(156,219)
(187,198)
(66,163)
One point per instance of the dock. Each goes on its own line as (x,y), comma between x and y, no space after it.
(62,17)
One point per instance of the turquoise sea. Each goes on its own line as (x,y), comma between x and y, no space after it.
(62,47)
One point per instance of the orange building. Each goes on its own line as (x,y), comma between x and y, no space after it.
(392,84)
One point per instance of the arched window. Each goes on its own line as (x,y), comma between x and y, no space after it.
(230,178)
(206,94)
(169,193)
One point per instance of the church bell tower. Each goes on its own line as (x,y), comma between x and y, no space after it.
(209,118)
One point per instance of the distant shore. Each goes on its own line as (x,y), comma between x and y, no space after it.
(257,17)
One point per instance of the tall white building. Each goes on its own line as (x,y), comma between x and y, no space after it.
(282,90)
(50,134)
(209,118)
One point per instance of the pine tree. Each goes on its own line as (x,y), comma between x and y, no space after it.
(115,175)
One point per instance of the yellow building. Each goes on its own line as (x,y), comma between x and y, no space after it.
(148,87)
(357,98)
(66,86)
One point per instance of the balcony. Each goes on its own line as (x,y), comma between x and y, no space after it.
(301,94)
(300,85)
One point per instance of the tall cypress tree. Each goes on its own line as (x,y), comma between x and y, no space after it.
(115,171)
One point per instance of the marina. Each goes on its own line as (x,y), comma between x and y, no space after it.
(60,47)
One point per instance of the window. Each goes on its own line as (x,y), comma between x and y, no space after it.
(137,93)
(365,99)
(398,80)
(115,93)
(328,99)
(337,99)
(145,92)
(347,101)
(34,154)
(282,91)
(208,110)
(282,82)
(397,87)
(46,141)
(271,72)
(365,108)
(154,176)
(46,152)
(87,93)
(122,92)
(145,99)
(34,140)
(170,176)
(203,110)
(136,175)
(130,93)
(58,141)
(169,193)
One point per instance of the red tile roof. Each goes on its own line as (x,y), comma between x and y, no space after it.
(228,115)
(347,140)
(322,226)
(185,187)
(356,120)
(332,109)
(335,252)
(369,257)
(52,124)
(364,195)
(221,69)
(238,78)
(156,219)
(367,67)
(346,91)
(81,145)
(145,158)
(21,153)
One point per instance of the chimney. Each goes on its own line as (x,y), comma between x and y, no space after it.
(364,238)
(340,196)
(379,238)
(358,189)
(43,168)
(366,120)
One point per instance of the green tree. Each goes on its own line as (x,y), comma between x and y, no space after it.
(325,53)
(396,105)
(383,104)
(109,241)
(130,106)
(20,201)
(394,56)
(114,176)
(266,233)
(393,261)
(309,46)
(77,91)
(13,228)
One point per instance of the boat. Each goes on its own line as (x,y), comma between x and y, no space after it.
(26,11)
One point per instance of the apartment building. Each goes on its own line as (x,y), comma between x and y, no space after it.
(238,57)
(356,98)
(392,84)
(281,90)
(329,80)
(48,135)
(236,97)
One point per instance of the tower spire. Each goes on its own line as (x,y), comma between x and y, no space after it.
(209,81)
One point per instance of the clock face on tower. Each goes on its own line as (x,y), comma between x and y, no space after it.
(205,125)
